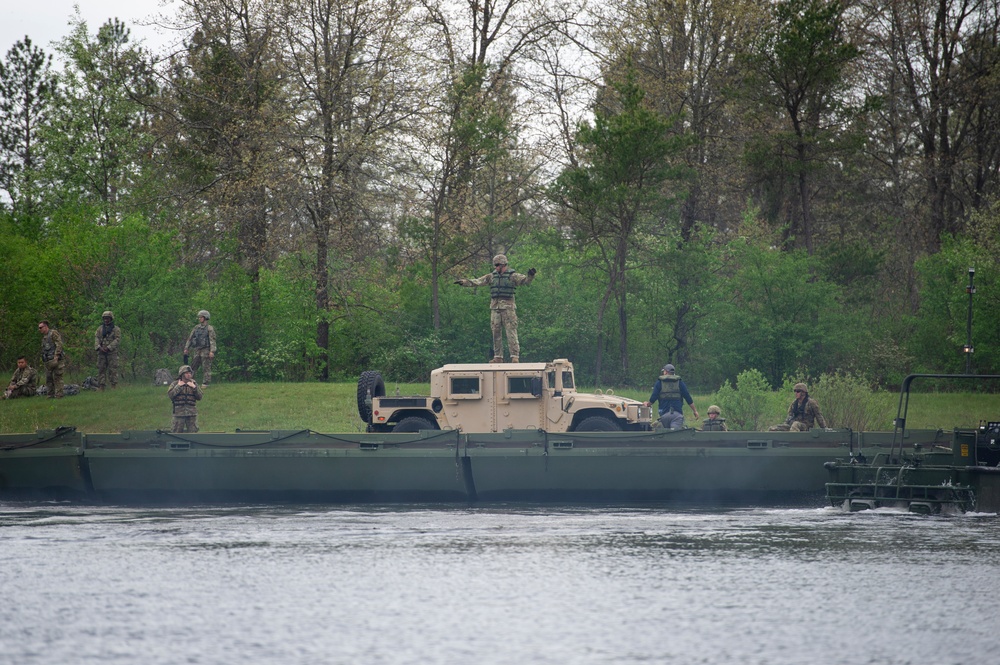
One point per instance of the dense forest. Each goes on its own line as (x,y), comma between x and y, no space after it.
(797,187)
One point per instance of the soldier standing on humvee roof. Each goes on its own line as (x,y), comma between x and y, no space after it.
(185,393)
(202,342)
(106,341)
(503,310)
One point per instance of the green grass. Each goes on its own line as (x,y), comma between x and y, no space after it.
(332,407)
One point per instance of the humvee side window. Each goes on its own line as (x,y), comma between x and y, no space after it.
(568,380)
(464,385)
(552,379)
(518,385)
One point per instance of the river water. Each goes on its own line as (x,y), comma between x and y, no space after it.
(495,584)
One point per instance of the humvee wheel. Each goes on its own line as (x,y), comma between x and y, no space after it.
(414,424)
(597,424)
(369,385)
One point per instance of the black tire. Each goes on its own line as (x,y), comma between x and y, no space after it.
(413,424)
(371,384)
(597,424)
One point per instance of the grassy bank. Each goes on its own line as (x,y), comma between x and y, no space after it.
(332,407)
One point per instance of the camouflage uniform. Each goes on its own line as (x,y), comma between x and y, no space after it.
(503,309)
(185,400)
(802,415)
(107,339)
(23,383)
(201,344)
(54,361)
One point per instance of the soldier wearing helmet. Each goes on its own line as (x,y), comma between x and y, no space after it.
(714,423)
(503,310)
(803,414)
(107,339)
(201,342)
(185,393)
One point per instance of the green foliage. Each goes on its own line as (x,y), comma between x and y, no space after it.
(781,314)
(745,406)
(940,326)
(847,400)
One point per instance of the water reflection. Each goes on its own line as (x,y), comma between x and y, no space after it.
(492,584)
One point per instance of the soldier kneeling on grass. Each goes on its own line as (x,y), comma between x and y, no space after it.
(185,393)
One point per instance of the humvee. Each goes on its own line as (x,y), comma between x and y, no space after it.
(486,397)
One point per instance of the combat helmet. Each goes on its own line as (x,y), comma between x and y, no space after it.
(204,312)
(714,409)
(500,259)
(184,368)
(108,313)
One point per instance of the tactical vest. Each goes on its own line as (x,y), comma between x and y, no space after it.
(185,397)
(670,389)
(48,347)
(709,425)
(502,285)
(199,338)
(107,334)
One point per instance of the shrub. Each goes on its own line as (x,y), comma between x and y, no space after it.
(846,400)
(746,405)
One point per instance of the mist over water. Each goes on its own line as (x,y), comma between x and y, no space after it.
(494,584)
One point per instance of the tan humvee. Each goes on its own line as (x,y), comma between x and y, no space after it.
(486,397)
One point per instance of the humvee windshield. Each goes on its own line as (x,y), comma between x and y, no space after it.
(567,379)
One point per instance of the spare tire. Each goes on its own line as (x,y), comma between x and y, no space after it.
(369,385)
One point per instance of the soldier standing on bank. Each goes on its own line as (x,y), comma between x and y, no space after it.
(107,339)
(24,381)
(503,310)
(185,393)
(202,342)
(53,359)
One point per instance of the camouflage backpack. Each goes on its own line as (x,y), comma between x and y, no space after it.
(163,377)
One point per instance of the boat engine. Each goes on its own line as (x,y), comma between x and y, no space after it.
(988,443)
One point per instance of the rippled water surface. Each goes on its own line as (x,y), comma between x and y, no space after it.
(494,584)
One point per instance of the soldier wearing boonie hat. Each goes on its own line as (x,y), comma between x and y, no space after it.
(803,413)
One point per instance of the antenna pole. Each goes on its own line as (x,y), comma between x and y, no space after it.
(970,289)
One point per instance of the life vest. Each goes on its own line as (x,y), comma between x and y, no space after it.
(199,338)
(502,285)
(717,425)
(670,388)
(186,397)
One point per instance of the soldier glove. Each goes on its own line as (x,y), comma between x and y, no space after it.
(459,282)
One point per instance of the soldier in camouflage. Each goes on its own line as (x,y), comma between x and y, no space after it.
(714,423)
(803,414)
(185,393)
(53,359)
(107,339)
(202,342)
(503,310)
(24,382)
